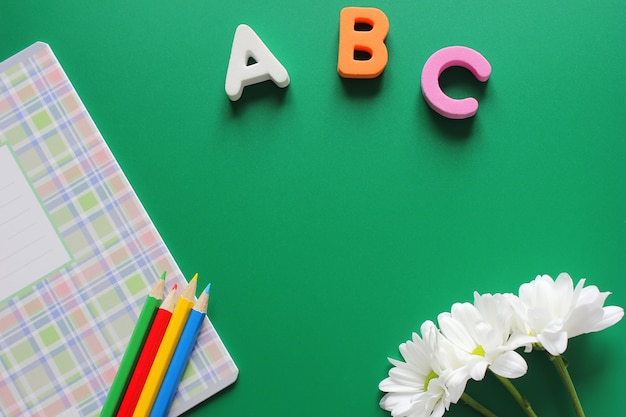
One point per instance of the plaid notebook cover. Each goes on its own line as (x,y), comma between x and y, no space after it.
(64,335)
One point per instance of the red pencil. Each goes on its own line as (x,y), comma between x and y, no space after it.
(150,348)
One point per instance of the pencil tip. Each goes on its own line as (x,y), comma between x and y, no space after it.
(195,277)
(207,289)
(175,287)
(163,275)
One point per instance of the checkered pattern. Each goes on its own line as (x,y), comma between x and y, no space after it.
(64,336)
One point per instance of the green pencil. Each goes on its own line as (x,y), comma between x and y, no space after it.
(137,339)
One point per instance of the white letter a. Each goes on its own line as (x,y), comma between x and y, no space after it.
(247,45)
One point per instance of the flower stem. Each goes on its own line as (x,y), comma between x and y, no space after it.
(561,368)
(523,402)
(477,406)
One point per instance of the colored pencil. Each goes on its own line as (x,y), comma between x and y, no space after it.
(181,356)
(149,351)
(137,339)
(166,350)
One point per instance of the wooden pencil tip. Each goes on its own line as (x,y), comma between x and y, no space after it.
(203,301)
(157,290)
(170,300)
(190,292)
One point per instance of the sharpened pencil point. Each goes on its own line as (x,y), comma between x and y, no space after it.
(207,289)
(163,275)
(189,293)
(175,287)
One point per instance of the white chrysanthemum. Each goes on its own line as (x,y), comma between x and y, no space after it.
(483,333)
(428,381)
(554,311)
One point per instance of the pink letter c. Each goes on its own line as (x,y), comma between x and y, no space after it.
(452,56)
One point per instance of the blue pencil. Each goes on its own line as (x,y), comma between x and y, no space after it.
(181,356)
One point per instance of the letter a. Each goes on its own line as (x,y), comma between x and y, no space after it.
(371,42)
(247,45)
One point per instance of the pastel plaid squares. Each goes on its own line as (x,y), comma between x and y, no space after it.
(64,336)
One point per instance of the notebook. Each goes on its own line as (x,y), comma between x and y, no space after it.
(78,255)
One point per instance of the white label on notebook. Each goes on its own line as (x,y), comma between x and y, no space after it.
(30,248)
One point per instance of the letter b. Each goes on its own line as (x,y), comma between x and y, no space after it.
(371,42)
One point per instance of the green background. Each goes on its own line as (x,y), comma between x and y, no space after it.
(335,216)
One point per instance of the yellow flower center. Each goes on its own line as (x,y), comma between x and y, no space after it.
(478,350)
(431,375)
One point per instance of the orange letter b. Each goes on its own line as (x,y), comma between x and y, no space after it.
(362,30)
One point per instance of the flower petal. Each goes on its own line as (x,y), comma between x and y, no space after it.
(456,332)
(390,402)
(509,365)
(477,370)
(612,314)
(456,382)
(554,343)
(518,340)
(390,385)
(583,319)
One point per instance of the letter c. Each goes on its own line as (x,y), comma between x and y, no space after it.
(452,56)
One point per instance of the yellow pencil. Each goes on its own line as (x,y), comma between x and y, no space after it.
(166,350)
